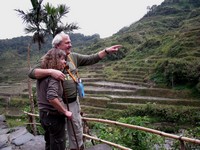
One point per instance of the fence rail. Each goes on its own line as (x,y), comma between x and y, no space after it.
(107,142)
(181,138)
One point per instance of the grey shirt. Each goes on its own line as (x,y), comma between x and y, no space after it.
(48,89)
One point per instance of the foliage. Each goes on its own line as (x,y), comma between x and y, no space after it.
(52,19)
(149,46)
(179,115)
(15,121)
(40,130)
(131,138)
(195,133)
(119,55)
(33,20)
(178,71)
(45,20)
(198,86)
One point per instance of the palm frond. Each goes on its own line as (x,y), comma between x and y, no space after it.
(30,29)
(34,4)
(62,10)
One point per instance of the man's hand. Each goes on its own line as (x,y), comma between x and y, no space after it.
(113,48)
(109,50)
(57,74)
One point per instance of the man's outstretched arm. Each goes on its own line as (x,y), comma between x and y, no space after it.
(109,50)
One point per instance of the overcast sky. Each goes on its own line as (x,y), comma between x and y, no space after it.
(104,17)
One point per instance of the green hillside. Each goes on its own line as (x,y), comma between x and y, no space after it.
(13,54)
(165,42)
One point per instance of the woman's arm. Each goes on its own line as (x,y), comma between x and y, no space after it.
(56,104)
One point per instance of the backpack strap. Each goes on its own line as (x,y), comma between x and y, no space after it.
(70,73)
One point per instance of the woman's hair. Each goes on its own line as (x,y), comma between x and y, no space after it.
(51,60)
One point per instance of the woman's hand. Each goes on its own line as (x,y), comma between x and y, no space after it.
(68,114)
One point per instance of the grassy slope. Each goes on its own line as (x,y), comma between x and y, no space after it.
(169,33)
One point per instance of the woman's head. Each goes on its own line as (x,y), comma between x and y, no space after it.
(54,59)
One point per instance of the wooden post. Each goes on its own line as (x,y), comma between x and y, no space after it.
(182,145)
(32,120)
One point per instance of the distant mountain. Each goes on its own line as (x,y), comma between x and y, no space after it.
(20,44)
(168,36)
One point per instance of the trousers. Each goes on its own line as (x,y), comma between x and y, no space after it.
(54,127)
(77,124)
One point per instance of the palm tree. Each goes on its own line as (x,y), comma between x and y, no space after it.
(53,19)
(45,20)
(42,21)
(34,19)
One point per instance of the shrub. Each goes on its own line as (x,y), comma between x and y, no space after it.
(178,72)
(134,139)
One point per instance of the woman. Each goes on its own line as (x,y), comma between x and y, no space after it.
(52,110)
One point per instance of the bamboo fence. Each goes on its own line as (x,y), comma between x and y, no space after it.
(109,143)
(181,138)
(186,139)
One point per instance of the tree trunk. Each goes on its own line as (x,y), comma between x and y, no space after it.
(31,118)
